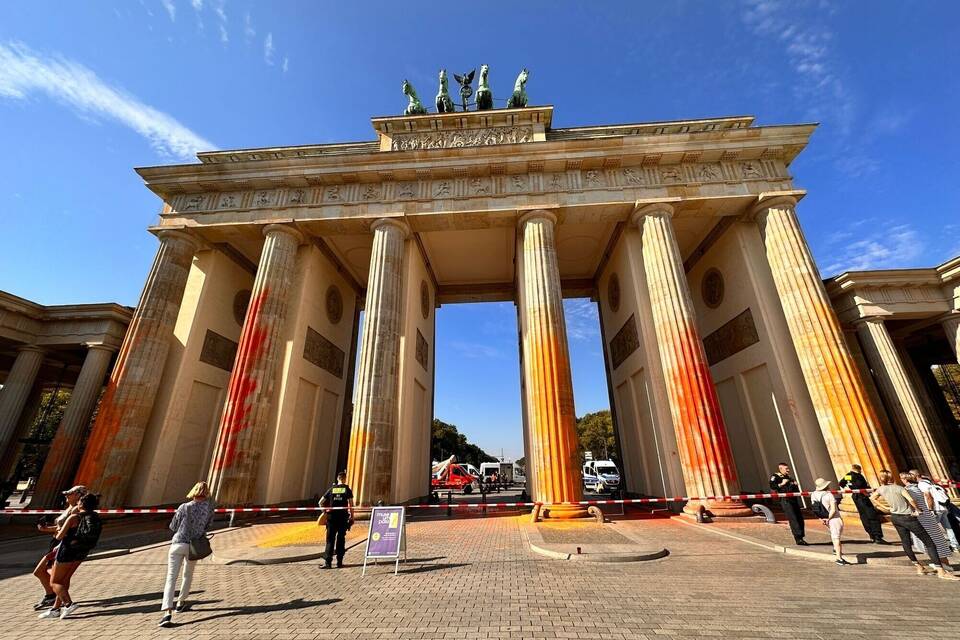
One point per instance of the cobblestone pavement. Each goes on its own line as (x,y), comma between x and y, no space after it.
(475,578)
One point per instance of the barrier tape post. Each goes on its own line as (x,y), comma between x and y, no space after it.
(233,516)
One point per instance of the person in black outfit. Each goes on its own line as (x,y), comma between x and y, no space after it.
(339,502)
(783,483)
(869,517)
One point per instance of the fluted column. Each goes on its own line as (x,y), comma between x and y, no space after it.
(546,369)
(243,425)
(903,399)
(951,326)
(374,427)
(117,435)
(64,453)
(16,390)
(847,419)
(705,456)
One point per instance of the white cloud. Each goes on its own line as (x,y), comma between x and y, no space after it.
(197,5)
(248,31)
(268,49)
(286,64)
(220,8)
(877,245)
(808,47)
(171,9)
(24,72)
(583,323)
(476,351)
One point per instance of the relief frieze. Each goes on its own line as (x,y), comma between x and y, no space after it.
(456,139)
(624,343)
(323,353)
(572,180)
(733,337)
(218,351)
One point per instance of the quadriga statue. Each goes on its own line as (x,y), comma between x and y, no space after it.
(415,107)
(444,102)
(484,94)
(519,97)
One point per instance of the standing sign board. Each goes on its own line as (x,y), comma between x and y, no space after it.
(386,537)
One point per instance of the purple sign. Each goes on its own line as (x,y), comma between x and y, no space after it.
(385,533)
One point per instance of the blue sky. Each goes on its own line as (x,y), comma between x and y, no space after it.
(89,90)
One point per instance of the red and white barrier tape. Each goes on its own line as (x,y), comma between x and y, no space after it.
(468,506)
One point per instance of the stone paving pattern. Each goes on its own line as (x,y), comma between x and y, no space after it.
(475,578)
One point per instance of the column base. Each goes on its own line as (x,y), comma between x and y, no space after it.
(720,508)
(564,512)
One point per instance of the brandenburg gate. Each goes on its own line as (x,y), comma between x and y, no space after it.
(723,353)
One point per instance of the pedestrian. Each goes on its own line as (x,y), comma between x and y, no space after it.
(191,521)
(781,482)
(825,507)
(869,516)
(927,517)
(45,566)
(338,503)
(937,500)
(78,535)
(903,514)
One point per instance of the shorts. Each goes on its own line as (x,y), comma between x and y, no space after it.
(836,527)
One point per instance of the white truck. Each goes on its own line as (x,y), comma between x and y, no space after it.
(601,476)
(504,471)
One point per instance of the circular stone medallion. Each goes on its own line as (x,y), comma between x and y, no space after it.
(424,299)
(240,303)
(712,288)
(613,293)
(334,304)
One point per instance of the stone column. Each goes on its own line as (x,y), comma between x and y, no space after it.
(705,455)
(848,420)
(546,371)
(951,325)
(903,400)
(243,425)
(117,434)
(65,451)
(16,390)
(374,428)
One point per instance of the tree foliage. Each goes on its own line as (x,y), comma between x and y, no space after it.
(595,434)
(446,440)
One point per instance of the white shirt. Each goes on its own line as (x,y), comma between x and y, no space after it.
(928,488)
(828,501)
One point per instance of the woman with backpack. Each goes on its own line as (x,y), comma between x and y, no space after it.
(45,567)
(190,523)
(78,536)
(824,505)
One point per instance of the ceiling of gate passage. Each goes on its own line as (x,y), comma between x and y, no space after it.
(473,258)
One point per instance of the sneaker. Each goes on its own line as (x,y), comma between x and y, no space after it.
(925,571)
(181,607)
(46,603)
(50,613)
(339,564)
(945,575)
(166,620)
(68,610)
(803,543)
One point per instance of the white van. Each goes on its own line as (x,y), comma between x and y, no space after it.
(601,476)
(504,471)
(519,475)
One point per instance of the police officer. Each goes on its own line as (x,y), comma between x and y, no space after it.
(339,502)
(869,517)
(783,483)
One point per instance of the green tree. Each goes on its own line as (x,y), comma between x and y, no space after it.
(446,441)
(41,431)
(595,434)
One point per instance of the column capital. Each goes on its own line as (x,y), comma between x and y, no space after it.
(867,320)
(283,228)
(179,234)
(392,222)
(642,210)
(766,201)
(536,214)
(28,348)
(101,346)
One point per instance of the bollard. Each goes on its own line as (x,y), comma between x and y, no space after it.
(233,516)
(449,502)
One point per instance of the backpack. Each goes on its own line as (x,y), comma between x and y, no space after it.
(938,494)
(88,532)
(819,510)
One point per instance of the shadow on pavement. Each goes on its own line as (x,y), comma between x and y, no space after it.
(227,612)
(435,567)
(153,607)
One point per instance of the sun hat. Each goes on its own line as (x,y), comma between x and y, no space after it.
(821,484)
(82,490)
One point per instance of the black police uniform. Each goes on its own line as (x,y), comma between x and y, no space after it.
(338,520)
(791,506)
(869,517)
